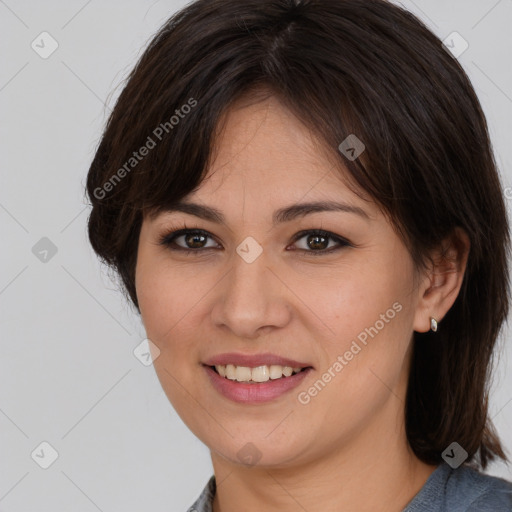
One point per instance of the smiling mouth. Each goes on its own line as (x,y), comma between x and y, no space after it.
(258,374)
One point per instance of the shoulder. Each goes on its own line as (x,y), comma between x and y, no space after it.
(462,490)
(480,492)
(447,490)
(205,501)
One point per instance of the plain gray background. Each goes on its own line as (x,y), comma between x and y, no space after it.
(68,373)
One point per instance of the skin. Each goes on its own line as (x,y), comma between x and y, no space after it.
(346,449)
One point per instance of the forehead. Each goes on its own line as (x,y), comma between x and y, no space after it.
(263,149)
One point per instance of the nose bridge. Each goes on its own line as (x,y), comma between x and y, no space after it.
(251,298)
(249,280)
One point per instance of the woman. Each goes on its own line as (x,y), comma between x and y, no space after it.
(302,203)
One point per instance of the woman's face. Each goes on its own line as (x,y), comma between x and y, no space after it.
(250,288)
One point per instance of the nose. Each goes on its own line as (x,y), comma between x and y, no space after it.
(252,300)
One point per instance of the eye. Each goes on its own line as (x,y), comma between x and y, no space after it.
(194,240)
(317,241)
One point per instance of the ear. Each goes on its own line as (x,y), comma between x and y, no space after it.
(441,283)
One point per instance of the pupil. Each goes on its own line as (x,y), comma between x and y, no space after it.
(194,238)
(315,244)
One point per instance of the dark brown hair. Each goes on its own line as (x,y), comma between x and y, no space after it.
(364,67)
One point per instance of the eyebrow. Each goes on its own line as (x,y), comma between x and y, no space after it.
(286,214)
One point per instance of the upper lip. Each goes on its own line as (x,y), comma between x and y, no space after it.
(254,360)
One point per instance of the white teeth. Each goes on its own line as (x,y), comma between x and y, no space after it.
(230,372)
(276,371)
(287,371)
(258,374)
(242,373)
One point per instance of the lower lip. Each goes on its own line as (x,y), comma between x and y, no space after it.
(245,393)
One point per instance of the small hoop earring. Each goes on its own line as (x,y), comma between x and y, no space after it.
(433,324)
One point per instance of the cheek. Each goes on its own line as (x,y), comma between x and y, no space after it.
(365,373)
(372,319)
(157,303)
(167,311)
(352,297)
(167,296)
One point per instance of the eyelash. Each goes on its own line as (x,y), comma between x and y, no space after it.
(168,240)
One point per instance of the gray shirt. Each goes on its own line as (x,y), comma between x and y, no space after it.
(446,490)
